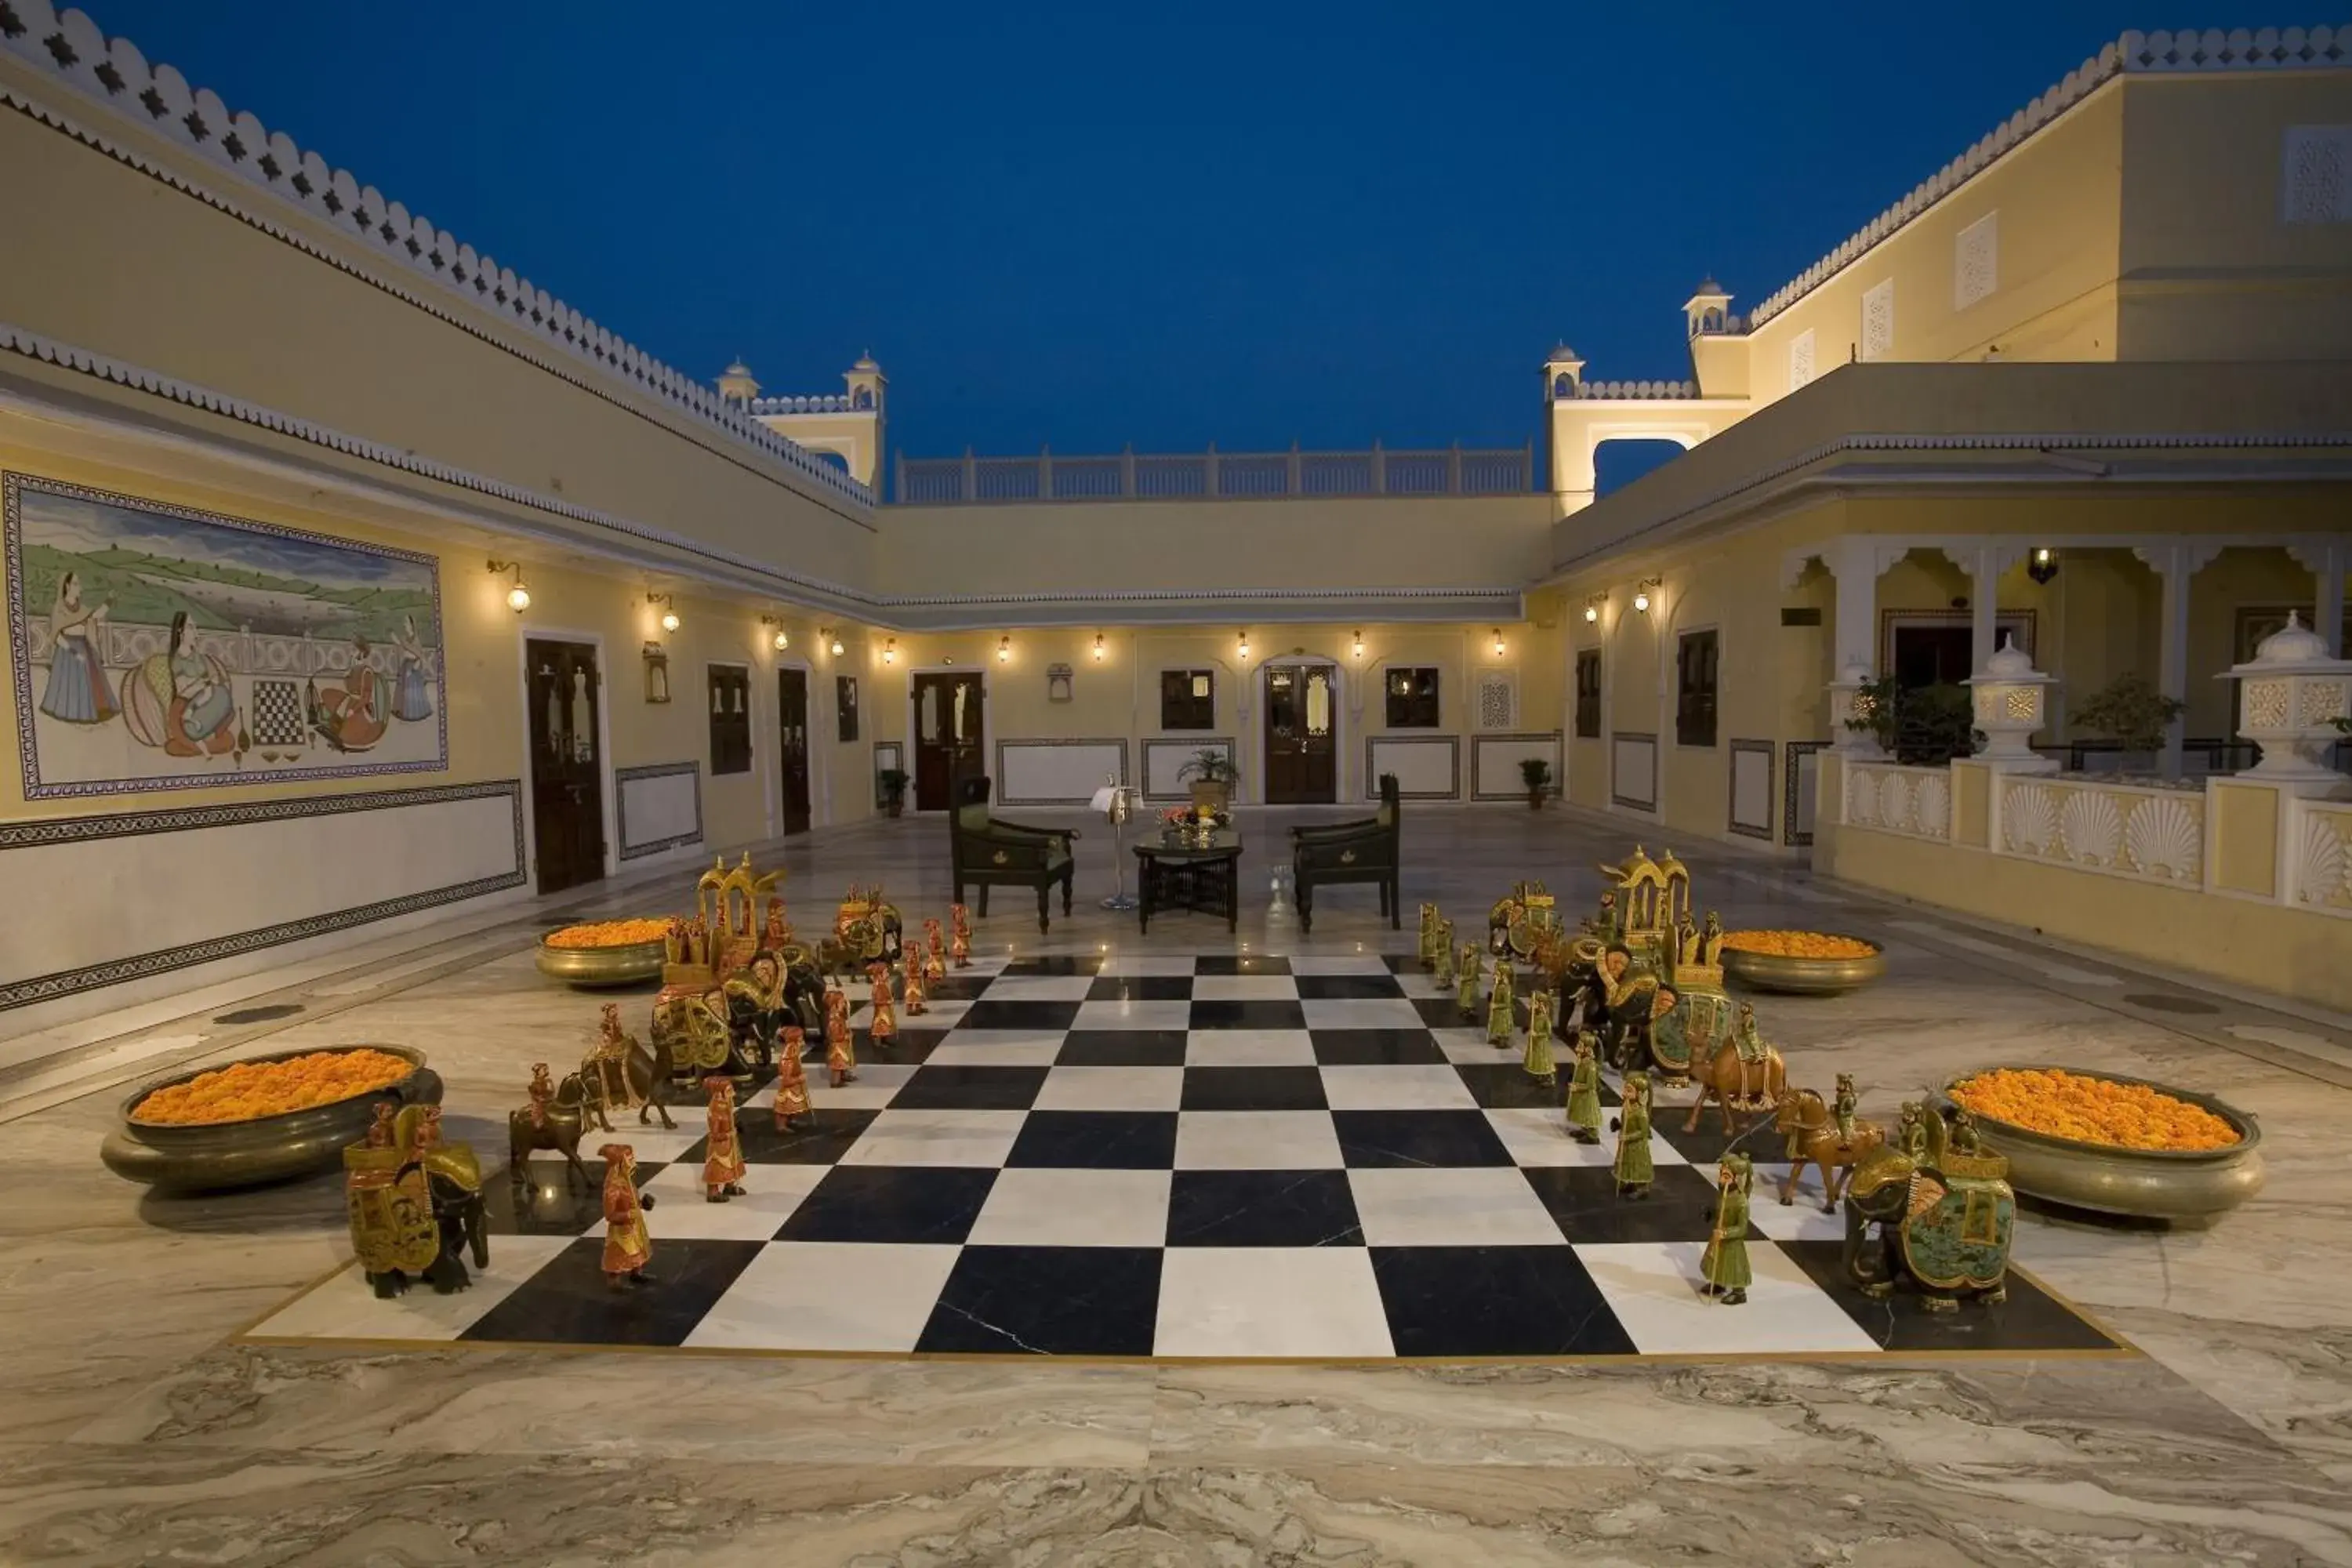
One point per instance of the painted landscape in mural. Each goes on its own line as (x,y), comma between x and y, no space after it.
(157,649)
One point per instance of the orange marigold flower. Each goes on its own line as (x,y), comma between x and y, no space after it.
(2088,1109)
(243,1092)
(610,933)
(1798,945)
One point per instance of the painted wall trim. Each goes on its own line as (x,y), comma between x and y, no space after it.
(623,778)
(1374,744)
(1792,753)
(1098,742)
(1731,791)
(1483,788)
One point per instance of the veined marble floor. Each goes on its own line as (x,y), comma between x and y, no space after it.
(136,1429)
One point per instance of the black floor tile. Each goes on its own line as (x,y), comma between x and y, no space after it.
(1141,988)
(1097,1140)
(1583,1201)
(2031,1320)
(1402,962)
(938,1086)
(568,1301)
(1049,1301)
(1375,1047)
(1347,987)
(1248,1015)
(1240,963)
(1504,1085)
(960,987)
(1253,1089)
(820,1138)
(1122,1048)
(1706,1145)
(1261,1208)
(907,1047)
(907,1203)
(1037,1015)
(1444,1012)
(1064,963)
(1493,1301)
(554,1200)
(1376,1140)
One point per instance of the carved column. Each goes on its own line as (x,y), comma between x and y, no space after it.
(2175,563)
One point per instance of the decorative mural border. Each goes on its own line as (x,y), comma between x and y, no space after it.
(1453,744)
(1791,788)
(1478,789)
(13,486)
(1003,746)
(1615,798)
(163,960)
(623,777)
(1731,790)
(1187,743)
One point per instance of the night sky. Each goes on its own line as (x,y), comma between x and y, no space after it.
(1091,225)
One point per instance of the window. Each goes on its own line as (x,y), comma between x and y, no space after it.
(1188,700)
(731,720)
(1694,690)
(1413,696)
(1588,694)
(845,706)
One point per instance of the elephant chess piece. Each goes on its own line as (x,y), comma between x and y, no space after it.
(1945,1216)
(415,1203)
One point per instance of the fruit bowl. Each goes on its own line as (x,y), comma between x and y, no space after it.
(220,1155)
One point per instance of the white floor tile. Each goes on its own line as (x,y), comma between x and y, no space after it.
(651,1144)
(1112,1089)
(968,1137)
(1134,1016)
(1361,1013)
(1540,1137)
(1039,987)
(1258,1141)
(1421,983)
(1135,964)
(346,1307)
(771,1193)
(1653,1289)
(1467,1045)
(1250,1048)
(828,1296)
(1486,1207)
(1431,1086)
(1245,988)
(997,1047)
(1036,1207)
(1801,1220)
(1270,1302)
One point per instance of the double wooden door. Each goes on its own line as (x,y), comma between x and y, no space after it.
(948,731)
(567,767)
(1302,755)
(793,746)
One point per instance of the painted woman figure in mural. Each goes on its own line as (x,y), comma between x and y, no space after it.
(354,719)
(199,722)
(412,693)
(77,690)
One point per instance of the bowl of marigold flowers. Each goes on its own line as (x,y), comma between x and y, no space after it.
(1801,963)
(2114,1145)
(605,953)
(265,1119)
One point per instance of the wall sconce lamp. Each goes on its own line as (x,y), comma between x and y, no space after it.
(891,652)
(1004,648)
(517,597)
(1592,607)
(1099,645)
(1498,642)
(670,610)
(1241,648)
(1642,593)
(2041,564)
(1360,644)
(779,639)
(831,638)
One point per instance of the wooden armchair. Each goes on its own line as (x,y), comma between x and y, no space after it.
(987,851)
(1367,850)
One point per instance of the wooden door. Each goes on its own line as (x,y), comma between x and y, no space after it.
(947,732)
(1932,655)
(793,746)
(567,770)
(1302,755)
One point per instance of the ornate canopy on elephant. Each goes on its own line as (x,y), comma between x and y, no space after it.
(1652,896)
(868,927)
(694,1026)
(726,932)
(1518,922)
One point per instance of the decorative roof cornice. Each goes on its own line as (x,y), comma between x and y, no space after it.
(70,49)
(2157,53)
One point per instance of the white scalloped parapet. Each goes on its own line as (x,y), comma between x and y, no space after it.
(1623,390)
(2268,49)
(68,47)
(827,403)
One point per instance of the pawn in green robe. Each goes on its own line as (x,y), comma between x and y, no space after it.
(1502,1021)
(1724,1263)
(1445,953)
(1466,988)
(1584,1098)
(1631,1165)
(1538,1061)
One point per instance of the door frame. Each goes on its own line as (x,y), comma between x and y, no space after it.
(1259,693)
(820,778)
(525,630)
(914,725)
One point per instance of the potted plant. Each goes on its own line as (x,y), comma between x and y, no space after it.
(1212,777)
(1924,726)
(1536,774)
(2132,713)
(893,782)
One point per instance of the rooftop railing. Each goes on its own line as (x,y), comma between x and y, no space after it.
(1213,475)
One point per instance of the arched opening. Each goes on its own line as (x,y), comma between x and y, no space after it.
(837,459)
(1620,459)
(1563,385)
(863,398)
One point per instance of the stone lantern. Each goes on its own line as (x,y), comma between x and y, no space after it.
(1849,698)
(2289,696)
(2011,699)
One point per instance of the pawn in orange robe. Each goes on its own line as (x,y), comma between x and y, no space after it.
(722,1160)
(792,1078)
(916,1003)
(935,966)
(840,1050)
(628,1246)
(959,935)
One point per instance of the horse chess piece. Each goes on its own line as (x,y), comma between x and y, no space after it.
(722,1160)
(629,1247)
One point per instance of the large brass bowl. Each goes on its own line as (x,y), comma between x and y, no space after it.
(1805,976)
(592,967)
(227,1154)
(2148,1183)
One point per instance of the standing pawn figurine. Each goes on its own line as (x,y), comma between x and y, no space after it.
(1538,1061)
(959,935)
(1724,1264)
(1466,987)
(935,962)
(882,1027)
(1585,1090)
(840,1049)
(916,1004)
(628,1246)
(722,1159)
(1502,1014)
(792,1078)
(1631,1165)
(1428,949)
(1444,954)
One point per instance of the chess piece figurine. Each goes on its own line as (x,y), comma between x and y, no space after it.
(935,965)
(959,935)
(1502,1017)
(1842,1108)
(629,1247)
(1428,948)
(916,1003)
(1631,1123)
(1539,1060)
(840,1047)
(554,1120)
(792,1078)
(414,1204)
(1585,1090)
(883,1027)
(542,1093)
(1724,1264)
(722,1159)
(756,1007)
(1466,985)
(1444,952)
(779,930)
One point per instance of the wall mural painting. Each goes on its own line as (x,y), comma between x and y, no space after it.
(156,648)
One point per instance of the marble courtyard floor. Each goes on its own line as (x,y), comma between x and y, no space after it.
(139,1424)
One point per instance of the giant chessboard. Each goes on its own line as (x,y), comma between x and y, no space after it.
(1217,1156)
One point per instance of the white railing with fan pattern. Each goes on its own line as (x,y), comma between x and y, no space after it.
(1899,799)
(1213,475)
(2123,830)
(2318,856)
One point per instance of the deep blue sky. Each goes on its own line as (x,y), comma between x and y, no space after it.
(1092,223)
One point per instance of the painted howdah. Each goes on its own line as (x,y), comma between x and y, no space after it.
(2147,1184)
(219,1156)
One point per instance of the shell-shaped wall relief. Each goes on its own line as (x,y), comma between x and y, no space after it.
(2323,872)
(1861,799)
(2093,827)
(1894,801)
(2164,838)
(1932,809)
(2029,819)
